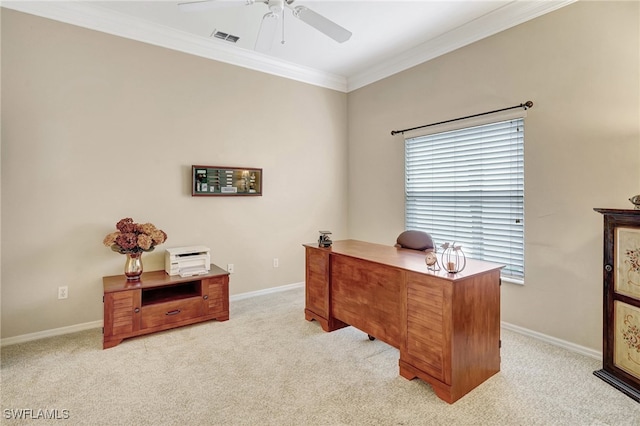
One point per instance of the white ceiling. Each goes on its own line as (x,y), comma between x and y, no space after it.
(388,36)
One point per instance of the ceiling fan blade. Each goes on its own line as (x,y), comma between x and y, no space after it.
(322,24)
(267,32)
(194,6)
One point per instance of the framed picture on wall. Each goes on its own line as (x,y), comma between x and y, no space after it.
(225,181)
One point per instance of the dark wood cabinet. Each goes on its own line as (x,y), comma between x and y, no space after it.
(621,298)
(159,301)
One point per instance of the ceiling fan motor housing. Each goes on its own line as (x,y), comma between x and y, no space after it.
(276,6)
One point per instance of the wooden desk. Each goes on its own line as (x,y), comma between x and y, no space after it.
(446,326)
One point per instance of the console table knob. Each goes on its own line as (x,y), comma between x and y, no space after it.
(205,297)
(136,310)
(608,268)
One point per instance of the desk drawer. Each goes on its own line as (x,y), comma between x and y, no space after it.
(171,312)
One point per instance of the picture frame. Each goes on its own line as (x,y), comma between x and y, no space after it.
(207,181)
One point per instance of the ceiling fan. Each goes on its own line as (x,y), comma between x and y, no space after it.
(270,20)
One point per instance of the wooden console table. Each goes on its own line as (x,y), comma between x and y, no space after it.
(159,301)
(446,326)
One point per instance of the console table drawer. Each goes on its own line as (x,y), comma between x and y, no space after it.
(171,312)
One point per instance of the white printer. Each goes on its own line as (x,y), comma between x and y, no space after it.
(187,261)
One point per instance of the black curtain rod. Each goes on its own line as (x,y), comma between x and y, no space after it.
(525,105)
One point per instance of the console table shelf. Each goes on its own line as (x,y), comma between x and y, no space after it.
(159,301)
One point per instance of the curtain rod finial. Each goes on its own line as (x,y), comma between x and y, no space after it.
(528,104)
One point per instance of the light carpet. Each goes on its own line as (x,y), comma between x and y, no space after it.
(268,366)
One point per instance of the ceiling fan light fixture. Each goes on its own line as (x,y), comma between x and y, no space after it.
(276,6)
(270,21)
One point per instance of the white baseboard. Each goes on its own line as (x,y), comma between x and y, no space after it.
(97,324)
(50,333)
(583,350)
(265,291)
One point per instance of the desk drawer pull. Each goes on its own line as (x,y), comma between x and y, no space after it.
(174,312)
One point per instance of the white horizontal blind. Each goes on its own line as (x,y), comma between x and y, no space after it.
(467,186)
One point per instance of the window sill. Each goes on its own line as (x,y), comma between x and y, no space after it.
(512,280)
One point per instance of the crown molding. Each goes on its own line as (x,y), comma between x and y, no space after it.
(507,16)
(90,16)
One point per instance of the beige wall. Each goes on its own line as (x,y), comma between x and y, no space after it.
(580,67)
(96,128)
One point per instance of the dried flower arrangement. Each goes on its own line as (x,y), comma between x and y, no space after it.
(134,237)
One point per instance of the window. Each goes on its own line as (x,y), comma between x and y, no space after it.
(467,186)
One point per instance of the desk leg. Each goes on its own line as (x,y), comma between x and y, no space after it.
(442,391)
(106,344)
(326,324)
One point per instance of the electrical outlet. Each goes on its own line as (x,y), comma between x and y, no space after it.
(230,268)
(275,262)
(63,292)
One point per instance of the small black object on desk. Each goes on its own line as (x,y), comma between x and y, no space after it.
(325,239)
